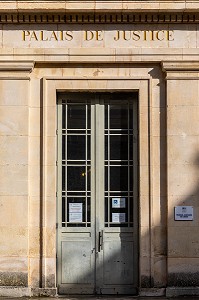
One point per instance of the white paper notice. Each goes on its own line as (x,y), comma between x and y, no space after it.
(75,217)
(75,212)
(118,217)
(75,207)
(118,202)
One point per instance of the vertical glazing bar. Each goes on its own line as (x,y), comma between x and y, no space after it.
(59,165)
(108,173)
(93,169)
(86,171)
(99,153)
(60,145)
(129,204)
(135,160)
(59,184)
(66,163)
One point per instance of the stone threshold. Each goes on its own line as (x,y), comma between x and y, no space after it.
(157,293)
(182,291)
(16,292)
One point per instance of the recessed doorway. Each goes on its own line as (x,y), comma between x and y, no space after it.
(97,193)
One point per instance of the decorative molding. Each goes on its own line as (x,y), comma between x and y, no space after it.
(98,18)
(98,5)
(181,70)
(187,66)
(25,66)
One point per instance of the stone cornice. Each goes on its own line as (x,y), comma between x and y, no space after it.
(99,11)
(184,66)
(99,18)
(68,6)
(181,70)
(23,66)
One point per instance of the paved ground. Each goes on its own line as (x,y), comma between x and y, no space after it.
(100,298)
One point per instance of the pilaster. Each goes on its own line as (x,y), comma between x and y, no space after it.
(182,175)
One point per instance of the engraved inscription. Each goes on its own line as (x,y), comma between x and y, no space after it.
(96,35)
(145,35)
(99,35)
(31,35)
(116,36)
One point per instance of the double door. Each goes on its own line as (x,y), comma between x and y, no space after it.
(97,250)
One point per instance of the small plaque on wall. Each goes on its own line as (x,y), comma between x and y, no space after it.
(183,213)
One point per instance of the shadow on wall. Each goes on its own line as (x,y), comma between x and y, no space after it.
(117,271)
(183,245)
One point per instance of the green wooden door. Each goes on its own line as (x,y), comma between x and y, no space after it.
(97,193)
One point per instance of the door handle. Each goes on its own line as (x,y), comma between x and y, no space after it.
(100,239)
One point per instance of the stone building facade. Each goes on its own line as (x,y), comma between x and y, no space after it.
(99,147)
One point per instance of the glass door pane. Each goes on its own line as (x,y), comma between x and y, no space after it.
(119,162)
(76,163)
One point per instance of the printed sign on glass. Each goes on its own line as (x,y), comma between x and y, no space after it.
(118,203)
(118,217)
(75,212)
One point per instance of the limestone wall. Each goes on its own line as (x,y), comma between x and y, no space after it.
(163,67)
